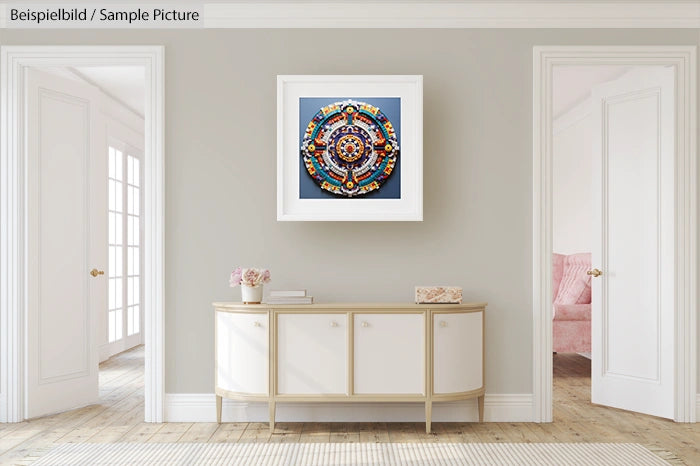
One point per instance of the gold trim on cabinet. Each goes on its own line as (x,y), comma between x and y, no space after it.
(364,307)
(351,354)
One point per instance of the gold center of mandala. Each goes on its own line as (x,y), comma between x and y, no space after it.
(349,148)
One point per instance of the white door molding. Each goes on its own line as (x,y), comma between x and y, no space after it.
(683,58)
(13,243)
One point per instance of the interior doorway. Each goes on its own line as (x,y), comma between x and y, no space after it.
(85,140)
(640,138)
(612,145)
(75,86)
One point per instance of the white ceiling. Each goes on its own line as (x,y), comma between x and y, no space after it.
(572,84)
(124,83)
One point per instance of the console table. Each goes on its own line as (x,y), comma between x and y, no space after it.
(349,353)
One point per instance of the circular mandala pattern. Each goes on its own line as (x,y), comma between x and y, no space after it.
(350,148)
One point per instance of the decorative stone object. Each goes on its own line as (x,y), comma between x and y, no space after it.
(439,294)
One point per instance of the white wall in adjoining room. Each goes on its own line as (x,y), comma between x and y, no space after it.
(572,148)
(571,185)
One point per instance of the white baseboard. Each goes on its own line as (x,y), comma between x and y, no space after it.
(697,408)
(201,407)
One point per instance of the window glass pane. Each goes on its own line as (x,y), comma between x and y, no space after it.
(120,323)
(112,294)
(130,321)
(118,261)
(130,169)
(111,228)
(137,179)
(129,261)
(112,265)
(130,199)
(119,169)
(110,191)
(118,196)
(137,319)
(118,293)
(112,326)
(137,231)
(135,259)
(133,293)
(130,229)
(111,162)
(137,201)
(118,229)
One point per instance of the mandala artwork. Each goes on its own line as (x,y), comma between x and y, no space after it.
(350,148)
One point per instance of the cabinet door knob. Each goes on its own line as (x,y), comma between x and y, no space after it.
(365,324)
(443,323)
(256,324)
(334,324)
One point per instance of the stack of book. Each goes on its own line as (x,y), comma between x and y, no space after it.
(289,297)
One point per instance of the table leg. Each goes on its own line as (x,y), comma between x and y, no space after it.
(481,408)
(218,409)
(428,415)
(272,415)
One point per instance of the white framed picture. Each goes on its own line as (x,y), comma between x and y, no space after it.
(350,148)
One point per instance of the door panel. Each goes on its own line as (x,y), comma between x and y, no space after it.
(633,303)
(63,225)
(389,353)
(242,352)
(311,353)
(457,352)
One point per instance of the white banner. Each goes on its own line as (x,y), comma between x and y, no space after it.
(123,16)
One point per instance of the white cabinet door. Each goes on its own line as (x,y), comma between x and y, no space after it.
(389,353)
(311,353)
(457,352)
(242,352)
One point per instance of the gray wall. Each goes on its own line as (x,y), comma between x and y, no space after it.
(220,176)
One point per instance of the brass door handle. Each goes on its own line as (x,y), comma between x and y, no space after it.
(595,272)
(95,272)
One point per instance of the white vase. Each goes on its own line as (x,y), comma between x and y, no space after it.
(251,294)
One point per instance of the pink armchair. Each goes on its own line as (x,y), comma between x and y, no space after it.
(571,288)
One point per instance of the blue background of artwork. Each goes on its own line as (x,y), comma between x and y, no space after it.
(309,106)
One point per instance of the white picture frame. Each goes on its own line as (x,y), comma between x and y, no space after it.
(291,90)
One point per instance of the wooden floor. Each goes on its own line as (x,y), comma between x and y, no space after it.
(119,418)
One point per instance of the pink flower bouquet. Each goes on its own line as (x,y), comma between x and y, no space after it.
(249,276)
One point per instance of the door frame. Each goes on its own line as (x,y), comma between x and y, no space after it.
(14,61)
(683,58)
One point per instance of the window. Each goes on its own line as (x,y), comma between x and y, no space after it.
(124,301)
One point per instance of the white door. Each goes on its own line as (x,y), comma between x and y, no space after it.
(389,353)
(312,353)
(633,244)
(67,228)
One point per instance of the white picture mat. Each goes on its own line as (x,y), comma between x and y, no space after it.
(409,207)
